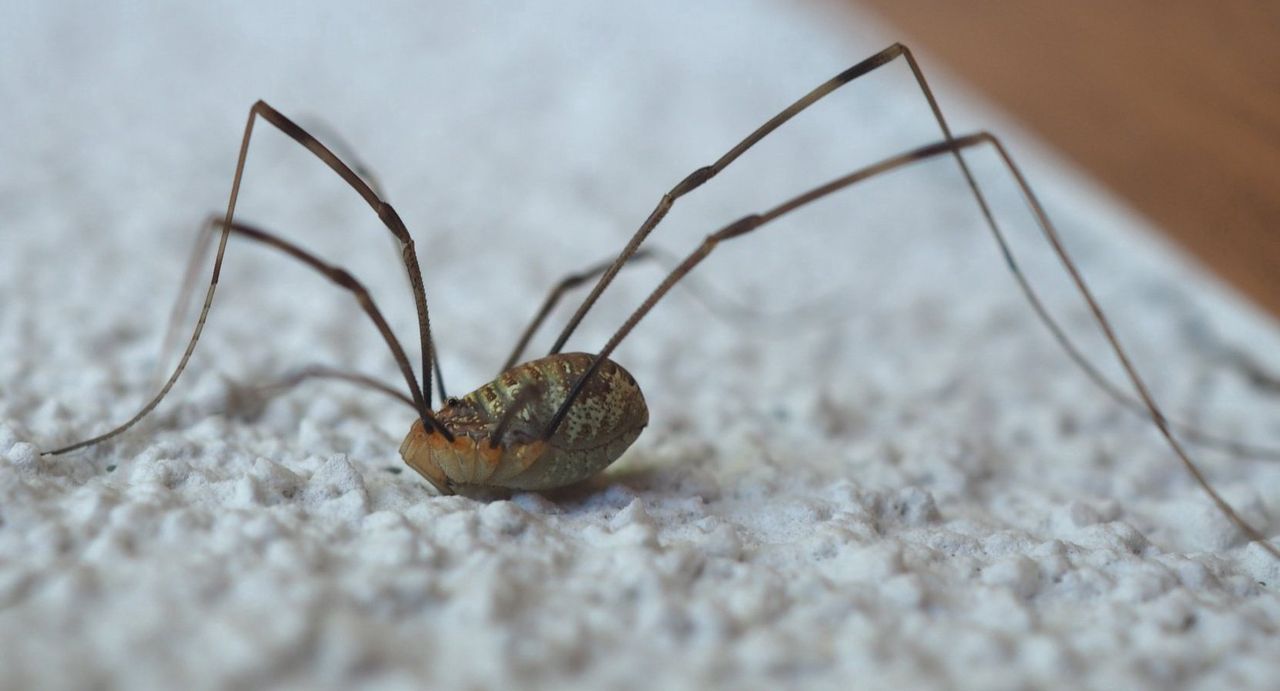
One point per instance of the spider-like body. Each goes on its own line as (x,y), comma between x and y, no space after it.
(559,419)
(605,419)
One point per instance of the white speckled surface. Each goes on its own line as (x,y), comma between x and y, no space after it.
(883,473)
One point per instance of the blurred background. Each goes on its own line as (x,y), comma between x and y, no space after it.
(1173,106)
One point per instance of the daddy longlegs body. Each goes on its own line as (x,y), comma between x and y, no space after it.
(559,419)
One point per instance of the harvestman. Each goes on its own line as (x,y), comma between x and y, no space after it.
(561,418)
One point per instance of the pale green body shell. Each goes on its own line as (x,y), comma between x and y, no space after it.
(603,421)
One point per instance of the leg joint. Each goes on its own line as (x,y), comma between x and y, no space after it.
(693,181)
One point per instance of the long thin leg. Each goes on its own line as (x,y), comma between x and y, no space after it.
(335,142)
(183,301)
(343,279)
(1255,374)
(326,372)
(385,212)
(1190,432)
(701,175)
(749,223)
(880,59)
(700,292)
(553,298)
(178,313)
(347,153)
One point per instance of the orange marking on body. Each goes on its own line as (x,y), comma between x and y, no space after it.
(418,452)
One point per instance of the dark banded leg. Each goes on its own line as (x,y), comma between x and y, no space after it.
(326,372)
(880,59)
(714,303)
(343,150)
(553,298)
(701,175)
(343,279)
(179,312)
(385,212)
(749,223)
(338,144)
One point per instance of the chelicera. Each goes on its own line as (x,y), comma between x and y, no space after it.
(559,419)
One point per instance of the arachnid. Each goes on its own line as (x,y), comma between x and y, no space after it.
(553,421)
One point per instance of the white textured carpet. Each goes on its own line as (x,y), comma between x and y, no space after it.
(868,464)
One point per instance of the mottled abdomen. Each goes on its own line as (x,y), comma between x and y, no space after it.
(602,422)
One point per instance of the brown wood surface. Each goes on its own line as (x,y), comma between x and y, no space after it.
(1173,105)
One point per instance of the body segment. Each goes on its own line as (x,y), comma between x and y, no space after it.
(603,421)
